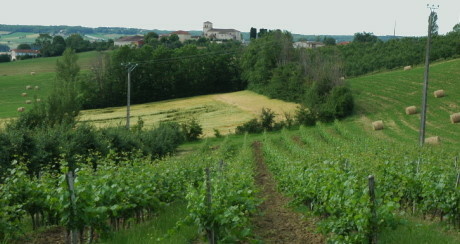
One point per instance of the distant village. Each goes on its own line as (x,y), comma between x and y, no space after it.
(209,32)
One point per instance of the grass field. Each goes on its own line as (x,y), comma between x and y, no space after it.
(42,65)
(221,111)
(385,96)
(16,38)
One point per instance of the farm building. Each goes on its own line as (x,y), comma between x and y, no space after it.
(137,41)
(220,34)
(18,53)
(308,44)
(183,35)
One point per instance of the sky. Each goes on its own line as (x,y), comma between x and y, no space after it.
(319,17)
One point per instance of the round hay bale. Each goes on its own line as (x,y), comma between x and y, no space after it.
(32,73)
(455,118)
(28,101)
(24,94)
(433,140)
(408,67)
(36,87)
(439,93)
(411,110)
(21,109)
(28,87)
(38,100)
(377,125)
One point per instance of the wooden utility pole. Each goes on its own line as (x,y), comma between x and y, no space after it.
(427,71)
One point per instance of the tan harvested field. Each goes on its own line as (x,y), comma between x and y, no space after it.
(220,111)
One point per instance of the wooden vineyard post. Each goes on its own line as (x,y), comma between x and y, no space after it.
(73,231)
(373,222)
(209,231)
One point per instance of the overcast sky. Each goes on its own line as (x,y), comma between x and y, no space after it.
(329,17)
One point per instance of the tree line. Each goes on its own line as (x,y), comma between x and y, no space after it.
(368,54)
(166,69)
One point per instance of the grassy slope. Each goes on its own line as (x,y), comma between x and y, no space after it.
(15,76)
(385,96)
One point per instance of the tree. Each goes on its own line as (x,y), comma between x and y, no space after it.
(67,69)
(262,32)
(365,37)
(329,41)
(456,28)
(62,106)
(43,41)
(58,46)
(24,46)
(151,38)
(253,33)
(77,43)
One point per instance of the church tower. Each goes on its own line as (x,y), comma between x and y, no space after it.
(206,27)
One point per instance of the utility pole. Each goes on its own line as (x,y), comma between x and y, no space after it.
(427,71)
(130,67)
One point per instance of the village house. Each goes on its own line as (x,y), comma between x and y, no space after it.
(220,34)
(308,44)
(18,53)
(137,41)
(183,35)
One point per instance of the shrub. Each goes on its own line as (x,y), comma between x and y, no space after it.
(305,116)
(162,140)
(217,133)
(120,139)
(340,101)
(192,130)
(252,126)
(267,119)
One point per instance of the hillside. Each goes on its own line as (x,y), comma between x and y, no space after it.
(15,76)
(385,96)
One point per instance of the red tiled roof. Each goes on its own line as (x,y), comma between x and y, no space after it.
(130,39)
(343,43)
(180,32)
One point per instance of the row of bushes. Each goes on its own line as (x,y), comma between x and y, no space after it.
(43,147)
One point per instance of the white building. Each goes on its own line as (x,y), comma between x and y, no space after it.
(308,44)
(220,34)
(130,40)
(183,35)
(17,53)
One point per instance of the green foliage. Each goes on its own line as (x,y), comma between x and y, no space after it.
(230,187)
(191,129)
(266,122)
(365,37)
(329,41)
(253,33)
(24,46)
(305,116)
(252,126)
(217,133)
(5,58)
(327,171)
(163,140)
(168,72)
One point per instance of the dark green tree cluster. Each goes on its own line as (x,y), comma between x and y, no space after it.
(361,57)
(271,66)
(55,46)
(164,72)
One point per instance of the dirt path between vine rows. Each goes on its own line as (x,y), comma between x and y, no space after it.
(278,223)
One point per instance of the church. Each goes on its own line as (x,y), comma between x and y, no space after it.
(220,34)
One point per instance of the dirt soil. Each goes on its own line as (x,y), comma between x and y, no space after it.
(53,235)
(278,223)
